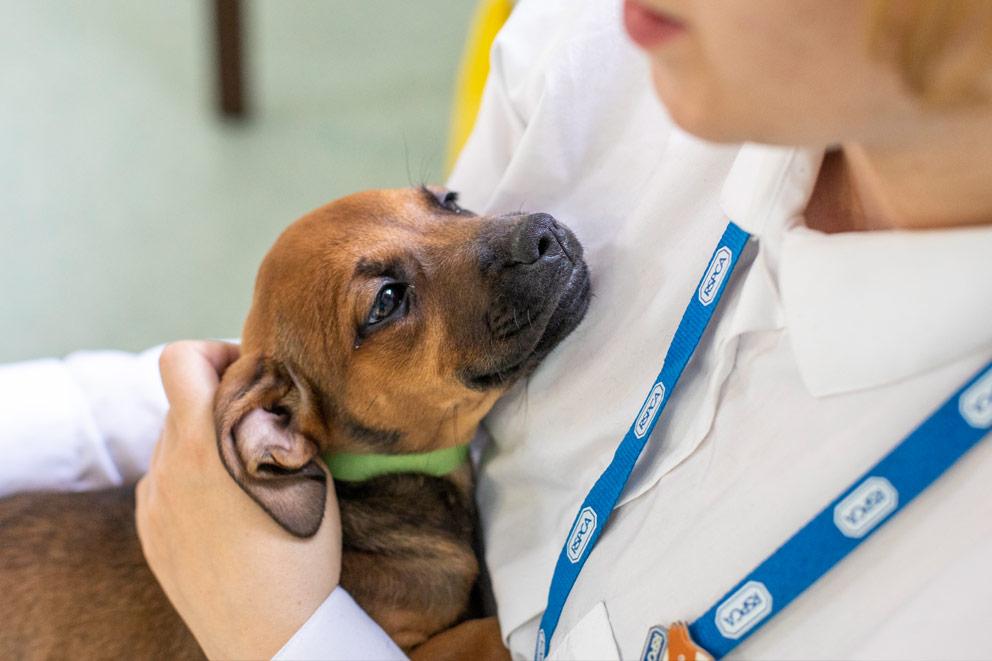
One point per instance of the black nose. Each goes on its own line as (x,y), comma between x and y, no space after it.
(534,238)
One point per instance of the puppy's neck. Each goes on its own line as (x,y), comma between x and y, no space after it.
(360,467)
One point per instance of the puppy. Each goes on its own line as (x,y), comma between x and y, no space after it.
(385,323)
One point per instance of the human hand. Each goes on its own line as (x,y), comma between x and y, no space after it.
(241,583)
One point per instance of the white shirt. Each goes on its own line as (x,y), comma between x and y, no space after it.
(826,351)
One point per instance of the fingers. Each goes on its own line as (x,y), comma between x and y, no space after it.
(190,375)
(141,507)
(220,354)
(191,371)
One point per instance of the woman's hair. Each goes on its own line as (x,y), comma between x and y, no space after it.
(942,49)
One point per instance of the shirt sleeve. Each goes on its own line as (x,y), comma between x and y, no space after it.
(340,629)
(87,421)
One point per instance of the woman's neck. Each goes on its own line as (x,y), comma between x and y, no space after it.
(943,181)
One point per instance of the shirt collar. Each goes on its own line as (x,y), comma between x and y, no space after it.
(862,309)
(869,308)
(768,185)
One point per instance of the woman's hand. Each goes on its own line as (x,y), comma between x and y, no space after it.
(241,583)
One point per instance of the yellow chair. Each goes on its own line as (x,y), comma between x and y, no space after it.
(490,15)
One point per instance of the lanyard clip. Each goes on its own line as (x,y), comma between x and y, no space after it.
(673,644)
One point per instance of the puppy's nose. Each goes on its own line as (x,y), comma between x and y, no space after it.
(534,238)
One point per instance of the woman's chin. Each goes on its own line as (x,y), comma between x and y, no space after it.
(692,108)
(701,108)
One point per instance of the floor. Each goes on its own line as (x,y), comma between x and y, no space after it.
(130,214)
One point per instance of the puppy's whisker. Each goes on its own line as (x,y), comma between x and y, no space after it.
(440,425)
(432,160)
(424,168)
(406,158)
(454,422)
(371,404)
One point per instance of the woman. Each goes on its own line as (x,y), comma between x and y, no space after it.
(837,336)
(855,311)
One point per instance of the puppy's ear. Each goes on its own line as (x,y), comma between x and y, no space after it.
(258,413)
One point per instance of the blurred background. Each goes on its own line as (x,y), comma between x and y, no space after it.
(133,213)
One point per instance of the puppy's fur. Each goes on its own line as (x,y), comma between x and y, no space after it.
(386,322)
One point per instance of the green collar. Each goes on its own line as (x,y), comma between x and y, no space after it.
(353,467)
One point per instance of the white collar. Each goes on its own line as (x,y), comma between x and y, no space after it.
(862,309)
(767,185)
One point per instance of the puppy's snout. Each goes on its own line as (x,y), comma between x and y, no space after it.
(534,238)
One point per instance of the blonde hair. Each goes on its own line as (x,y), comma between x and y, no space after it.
(942,49)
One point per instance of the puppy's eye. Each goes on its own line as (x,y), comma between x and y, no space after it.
(388,301)
(450,201)
(446,199)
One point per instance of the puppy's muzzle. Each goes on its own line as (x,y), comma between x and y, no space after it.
(539,293)
(538,237)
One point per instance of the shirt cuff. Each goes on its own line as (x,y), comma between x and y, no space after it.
(340,629)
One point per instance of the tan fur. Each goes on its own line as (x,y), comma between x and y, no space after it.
(74,584)
(417,393)
(475,640)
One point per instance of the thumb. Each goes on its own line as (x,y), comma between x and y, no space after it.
(191,371)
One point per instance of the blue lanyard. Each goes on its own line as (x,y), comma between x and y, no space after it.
(922,457)
(882,491)
(598,505)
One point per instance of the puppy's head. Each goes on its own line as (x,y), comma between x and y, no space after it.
(388,322)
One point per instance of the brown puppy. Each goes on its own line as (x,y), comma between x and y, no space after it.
(387,322)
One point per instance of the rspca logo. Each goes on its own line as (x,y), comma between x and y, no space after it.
(654,646)
(743,610)
(650,409)
(715,275)
(865,507)
(539,652)
(582,530)
(975,404)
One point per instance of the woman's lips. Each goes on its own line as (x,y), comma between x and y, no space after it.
(647,27)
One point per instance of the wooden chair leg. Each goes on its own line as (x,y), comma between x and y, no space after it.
(230,61)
